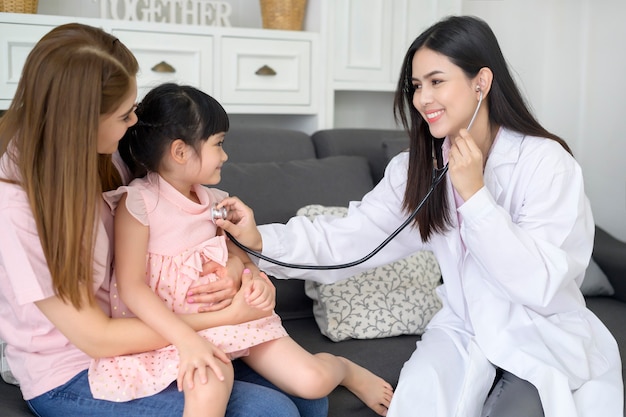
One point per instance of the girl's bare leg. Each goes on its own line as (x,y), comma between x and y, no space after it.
(298,372)
(210,399)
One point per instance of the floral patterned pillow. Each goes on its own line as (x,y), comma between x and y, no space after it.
(394,299)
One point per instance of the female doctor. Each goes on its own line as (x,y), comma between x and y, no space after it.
(510,226)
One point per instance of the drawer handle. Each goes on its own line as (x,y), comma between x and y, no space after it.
(265,70)
(163,67)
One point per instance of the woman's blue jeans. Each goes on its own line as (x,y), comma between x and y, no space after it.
(252,396)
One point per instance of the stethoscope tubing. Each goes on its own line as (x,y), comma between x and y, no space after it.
(395,233)
(436,180)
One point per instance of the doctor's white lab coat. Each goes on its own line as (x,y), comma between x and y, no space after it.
(512,270)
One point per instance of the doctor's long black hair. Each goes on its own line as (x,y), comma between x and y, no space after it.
(470,44)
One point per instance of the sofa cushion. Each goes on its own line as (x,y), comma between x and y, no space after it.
(608,252)
(12,403)
(596,282)
(369,143)
(5,371)
(394,146)
(335,180)
(291,300)
(246,144)
(395,299)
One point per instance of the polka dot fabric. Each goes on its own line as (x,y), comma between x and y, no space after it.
(124,378)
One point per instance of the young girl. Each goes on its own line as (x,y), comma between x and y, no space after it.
(164,232)
(509,224)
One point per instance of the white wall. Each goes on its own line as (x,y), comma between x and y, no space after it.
(569,57)
(604,107)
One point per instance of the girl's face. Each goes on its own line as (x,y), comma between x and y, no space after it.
(443,95)
(113,125)
(210,160)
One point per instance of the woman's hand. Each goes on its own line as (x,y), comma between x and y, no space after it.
(241,224)
(466,165)
(217,295)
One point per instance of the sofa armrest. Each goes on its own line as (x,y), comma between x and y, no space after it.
(610,255)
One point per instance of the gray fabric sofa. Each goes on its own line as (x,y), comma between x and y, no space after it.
(278,171)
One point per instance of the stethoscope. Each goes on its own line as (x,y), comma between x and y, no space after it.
(438,176)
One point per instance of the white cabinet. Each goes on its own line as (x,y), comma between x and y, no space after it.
(363,36)
(16,41)
(266,72)
(252,72)
(370,38)
(170,57)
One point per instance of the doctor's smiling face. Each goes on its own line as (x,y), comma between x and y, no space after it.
(443,93)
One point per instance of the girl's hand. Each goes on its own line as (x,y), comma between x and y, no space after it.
(198,355)
(261,293)
(465,163)
(243,309)
(241,224)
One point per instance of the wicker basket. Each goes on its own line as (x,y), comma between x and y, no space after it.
(19,6)
(283,14)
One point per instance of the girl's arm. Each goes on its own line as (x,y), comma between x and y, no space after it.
(131,246)
(260,292)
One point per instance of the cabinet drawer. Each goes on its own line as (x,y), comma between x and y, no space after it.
(266,72)
(170,57)
(16,42)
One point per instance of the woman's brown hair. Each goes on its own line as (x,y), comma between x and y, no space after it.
(73,76)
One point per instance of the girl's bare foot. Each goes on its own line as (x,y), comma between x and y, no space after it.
(374,391)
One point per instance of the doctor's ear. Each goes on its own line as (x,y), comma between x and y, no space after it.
(483,80)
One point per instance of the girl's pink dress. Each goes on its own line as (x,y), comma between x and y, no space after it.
(182,239)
